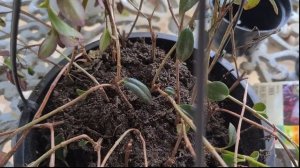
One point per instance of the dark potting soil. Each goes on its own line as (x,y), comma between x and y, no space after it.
(108,120)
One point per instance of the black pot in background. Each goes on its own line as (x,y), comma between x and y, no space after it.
(258,22)
(251,140)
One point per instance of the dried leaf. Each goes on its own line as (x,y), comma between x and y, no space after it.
(49,45)
(68,41)
(139,89)
(185,45)
(73,11)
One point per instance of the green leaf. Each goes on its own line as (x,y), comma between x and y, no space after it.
(49,45)
(2,22)
(232,135)
(229,159)
(261,109)
(188,109)
(217,91)
(185,45)
(61,153)
(30,71)
(139,89)
(80,92)
(73,11)
(255,156)
(170,91)
(105,40)
(186,5)
(44,4)
(60,26)
(83,144)
(274,6)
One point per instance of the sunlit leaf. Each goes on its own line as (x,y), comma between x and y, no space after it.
(188,109)
(217,91)
(73,11)
(260,108)
(49,45)
(185,45)
(251,4)
(170,91)
(139,89)
(60,26)
(44,4)
(255,156)
(229,159)
(186,5)
(105,40)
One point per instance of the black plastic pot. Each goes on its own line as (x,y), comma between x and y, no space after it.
(250,141)
(260,21)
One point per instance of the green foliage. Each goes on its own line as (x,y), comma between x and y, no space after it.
(139,89)
(61,153)
(229,159)
(217,91)
(185,45)
(105,40)
(250,4)
(83,144)
(231,135)
(260,108)
(79,92)
(186,5)
(49,45)
(170,91)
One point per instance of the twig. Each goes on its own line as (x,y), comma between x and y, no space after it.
(71,61)
(109,8)
(210,148)
(85,72)
(237,82)
(187,141)
(136,19)
(177,64)
(119,141)
(172,13)
(27,14)
(128,150)
(61,145)
(123,96)
(162,65)
(98,150)
(238,134)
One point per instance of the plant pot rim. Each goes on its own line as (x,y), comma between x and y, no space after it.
(284,18)
(42,87)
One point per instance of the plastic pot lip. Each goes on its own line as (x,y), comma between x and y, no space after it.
(41,87)
(284,19)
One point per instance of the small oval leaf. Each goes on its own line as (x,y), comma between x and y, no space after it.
(260,108)
(186,5)
(170,91)
(255,156)
(30,71)
(217,91)
(49,45)
(231,135)
(79,92)
(139,89)
(73,11)
(188,109)
(105,40)
(185,45)
(60,26)
(249,4)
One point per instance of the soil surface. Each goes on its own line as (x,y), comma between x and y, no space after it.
(108,120)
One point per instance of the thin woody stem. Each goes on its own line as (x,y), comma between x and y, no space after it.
(136,19)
